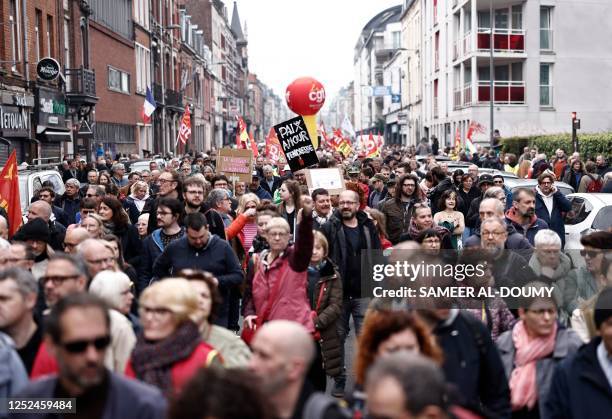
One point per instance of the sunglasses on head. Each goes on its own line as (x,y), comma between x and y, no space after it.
(80,346)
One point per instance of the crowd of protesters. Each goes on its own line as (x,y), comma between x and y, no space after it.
(176,292)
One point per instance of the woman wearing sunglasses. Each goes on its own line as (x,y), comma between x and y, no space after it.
(583,283)
(170,350)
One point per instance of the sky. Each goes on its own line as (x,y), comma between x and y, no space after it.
(294,38)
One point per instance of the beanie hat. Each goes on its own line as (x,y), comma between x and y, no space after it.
(37,229)
(603,307)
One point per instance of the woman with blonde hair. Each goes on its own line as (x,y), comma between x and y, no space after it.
(170,350)
(137,200)
(94,226)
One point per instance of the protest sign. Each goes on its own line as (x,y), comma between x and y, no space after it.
(296,144)
(330,179)
(236,164)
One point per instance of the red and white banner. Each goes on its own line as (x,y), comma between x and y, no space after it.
(185,128)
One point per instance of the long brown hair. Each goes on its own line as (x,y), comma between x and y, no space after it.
(379,325)
(294,189)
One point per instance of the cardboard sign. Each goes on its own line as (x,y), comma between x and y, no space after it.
(330,179)
(236,164)
(296,144)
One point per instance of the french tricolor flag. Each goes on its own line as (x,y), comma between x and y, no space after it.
(149,107)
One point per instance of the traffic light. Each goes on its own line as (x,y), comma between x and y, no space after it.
(575,121)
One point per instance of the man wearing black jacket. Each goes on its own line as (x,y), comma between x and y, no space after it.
(350,233)
(199,249)
(471,361)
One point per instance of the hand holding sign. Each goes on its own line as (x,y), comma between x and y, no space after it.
(296,144)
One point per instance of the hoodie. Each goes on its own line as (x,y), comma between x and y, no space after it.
(528,230)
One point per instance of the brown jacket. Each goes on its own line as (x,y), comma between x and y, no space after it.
(328,306)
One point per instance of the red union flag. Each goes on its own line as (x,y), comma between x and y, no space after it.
(273,147)
(185,128)
(9,193)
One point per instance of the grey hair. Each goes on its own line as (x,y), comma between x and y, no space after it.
(546,238)
(26,284)
(215,196)
(495,219)
(267,167)
(77,262)
(429,390)
(117,166)
(499,207)
(74,182)
(493,191)
(109,285)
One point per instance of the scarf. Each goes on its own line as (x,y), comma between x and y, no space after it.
(321,219)
(140,203)
(153,361)
(523,385)
(547,199)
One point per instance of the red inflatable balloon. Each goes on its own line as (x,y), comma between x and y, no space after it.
(305,96)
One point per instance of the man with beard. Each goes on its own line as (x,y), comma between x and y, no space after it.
(282,354)
(35,234)
(193,195)
(322,212)
(509,268)
(551,204)
(169,187)
(350,233)
(522,215)
(79,336)
(493,207)
(398,210)
(168,214)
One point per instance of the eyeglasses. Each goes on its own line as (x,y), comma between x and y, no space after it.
(57,280)
(164,181)
(156,312)
(492,233)
(278,234)
(80,346)
(589,253)
(101,261)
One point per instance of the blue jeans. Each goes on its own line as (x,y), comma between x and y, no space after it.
(355,307)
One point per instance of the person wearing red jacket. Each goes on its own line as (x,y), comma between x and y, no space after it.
(170,349)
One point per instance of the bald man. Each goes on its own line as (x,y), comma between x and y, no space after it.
(74,236)
(41,209)
(97,256)
(282,353)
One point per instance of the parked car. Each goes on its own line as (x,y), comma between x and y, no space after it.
(31,180)
(139,165)
(516,182)
(590,212)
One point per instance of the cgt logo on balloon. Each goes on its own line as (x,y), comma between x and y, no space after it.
(317,96)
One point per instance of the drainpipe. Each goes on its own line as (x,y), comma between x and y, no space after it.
(24,20)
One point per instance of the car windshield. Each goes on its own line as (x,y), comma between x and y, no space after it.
(603,219)
(581,208)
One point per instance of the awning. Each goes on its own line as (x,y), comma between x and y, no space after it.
(55,135)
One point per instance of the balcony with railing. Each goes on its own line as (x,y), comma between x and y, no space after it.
(457,99)
(174,99)
(504,40)
(467,94)
(80,86)
(504,92)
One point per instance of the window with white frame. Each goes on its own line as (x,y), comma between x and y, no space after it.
(141,13)
(15,32)
(396,37)
(118,81)
(545,85)
(546,28)
(50,37)
(143,68)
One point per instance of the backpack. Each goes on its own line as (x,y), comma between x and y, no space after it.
(595,185)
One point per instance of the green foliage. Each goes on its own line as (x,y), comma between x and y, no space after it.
(590,144)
